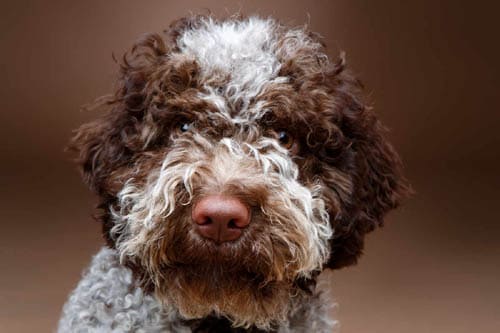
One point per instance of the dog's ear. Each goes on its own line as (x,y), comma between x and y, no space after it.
(99,151)
(372,165)
(108,143)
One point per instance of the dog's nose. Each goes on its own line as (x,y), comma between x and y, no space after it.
(220,218)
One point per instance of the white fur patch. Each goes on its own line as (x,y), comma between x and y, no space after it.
(243,54)
(246,55)
(243,49)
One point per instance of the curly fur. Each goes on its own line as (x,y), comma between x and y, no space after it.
(108,299)
(202,111)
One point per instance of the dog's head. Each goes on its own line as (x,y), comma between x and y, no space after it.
(234,163)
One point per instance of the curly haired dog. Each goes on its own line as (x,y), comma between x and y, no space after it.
(233,164)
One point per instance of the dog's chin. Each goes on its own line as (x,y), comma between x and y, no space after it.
(224,288)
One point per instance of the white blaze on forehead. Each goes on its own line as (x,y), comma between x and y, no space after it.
(246,57)
(244,50)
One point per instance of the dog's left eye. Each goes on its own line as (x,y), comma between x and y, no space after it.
(184,127)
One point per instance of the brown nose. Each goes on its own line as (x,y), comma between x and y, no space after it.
(220,218)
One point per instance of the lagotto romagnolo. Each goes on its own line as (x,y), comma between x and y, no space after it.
(234,164)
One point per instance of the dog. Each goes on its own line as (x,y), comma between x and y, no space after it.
(234,163)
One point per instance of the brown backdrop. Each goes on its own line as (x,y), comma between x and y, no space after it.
(432,71)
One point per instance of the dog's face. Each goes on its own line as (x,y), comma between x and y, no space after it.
(234,163)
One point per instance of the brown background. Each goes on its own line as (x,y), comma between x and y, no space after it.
(432,71)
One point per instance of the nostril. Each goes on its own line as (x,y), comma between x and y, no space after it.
(206,220)
(232,224)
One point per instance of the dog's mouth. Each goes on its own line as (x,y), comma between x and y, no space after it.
(238,256)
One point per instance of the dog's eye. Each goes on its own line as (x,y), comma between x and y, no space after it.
(285,139)
(184,127)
